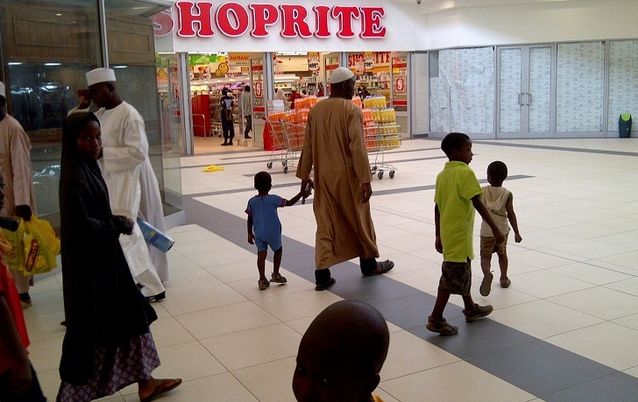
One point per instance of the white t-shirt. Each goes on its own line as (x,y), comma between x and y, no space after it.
(495,200)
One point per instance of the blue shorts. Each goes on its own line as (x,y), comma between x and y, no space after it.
(274,242)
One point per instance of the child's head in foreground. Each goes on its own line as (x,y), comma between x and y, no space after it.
(263,182)
(341,354)
(457,147)
(496,173)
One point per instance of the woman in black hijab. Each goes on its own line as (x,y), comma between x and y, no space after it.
(108,344)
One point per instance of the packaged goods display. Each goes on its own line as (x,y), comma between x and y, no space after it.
(380,132)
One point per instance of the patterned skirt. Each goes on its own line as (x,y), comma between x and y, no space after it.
(115,370)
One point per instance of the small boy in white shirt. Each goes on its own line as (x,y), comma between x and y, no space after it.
(499,202)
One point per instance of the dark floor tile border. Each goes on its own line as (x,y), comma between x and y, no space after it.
(375,193)
(538,367)
(557,148)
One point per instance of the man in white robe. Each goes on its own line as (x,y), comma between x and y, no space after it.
(15,167)
(125,157)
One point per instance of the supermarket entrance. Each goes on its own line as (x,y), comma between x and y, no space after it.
(218,86)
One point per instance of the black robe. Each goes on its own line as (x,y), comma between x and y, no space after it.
(102,304)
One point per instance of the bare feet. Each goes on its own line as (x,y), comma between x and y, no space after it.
(154,387)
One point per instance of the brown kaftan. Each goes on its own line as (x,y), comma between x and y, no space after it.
(334,146)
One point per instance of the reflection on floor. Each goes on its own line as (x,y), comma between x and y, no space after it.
(564,331)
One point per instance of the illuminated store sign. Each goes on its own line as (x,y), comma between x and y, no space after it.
(260,20)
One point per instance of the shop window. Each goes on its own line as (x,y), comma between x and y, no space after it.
(48,46)
(462,91)
(131,50)
(623,81)
(580,87)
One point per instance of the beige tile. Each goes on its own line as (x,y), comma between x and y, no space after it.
(43,326)
(600,302)
(443,384)
(542,319)
(188,361)
(49,381)
(225,320)
(632,371)
(167,331)
(606,343)
(241,271)
(194,279)
(291,306)
(269,382)
(626,286)
(177,262)
(255,346)
(202,298)
(45,353)
(589,273)
(544,284)
(221,387)
(410,354)
(629,321)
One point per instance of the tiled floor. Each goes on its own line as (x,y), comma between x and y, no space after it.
(566,330)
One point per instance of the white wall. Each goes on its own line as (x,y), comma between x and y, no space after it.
(537,23)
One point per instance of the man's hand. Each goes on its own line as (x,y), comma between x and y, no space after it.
(24,212)
(438,245)
(20,377)
(251,238)
(366,192)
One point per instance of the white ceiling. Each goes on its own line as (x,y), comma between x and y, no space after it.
(435,6)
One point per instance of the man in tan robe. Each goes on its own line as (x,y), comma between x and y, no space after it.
(15,167)
(334,146)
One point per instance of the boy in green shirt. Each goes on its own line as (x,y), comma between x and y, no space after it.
(456,196)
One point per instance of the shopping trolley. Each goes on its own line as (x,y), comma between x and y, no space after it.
(294,131)
(276,130)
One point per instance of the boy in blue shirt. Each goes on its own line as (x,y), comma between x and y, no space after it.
(456,196)
(264,222)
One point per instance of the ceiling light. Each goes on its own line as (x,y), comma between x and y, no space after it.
(53,64)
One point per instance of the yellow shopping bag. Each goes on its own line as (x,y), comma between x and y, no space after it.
(41,246)
(34,247)
(14,257)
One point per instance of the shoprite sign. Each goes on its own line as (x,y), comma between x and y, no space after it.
(259,20)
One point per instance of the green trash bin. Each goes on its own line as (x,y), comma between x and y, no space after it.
(624,125)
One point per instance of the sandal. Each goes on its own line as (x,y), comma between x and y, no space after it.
(441,326)
(486,284)
(382,268)
(477,312)
(162,387)
(278,278)
(263,284)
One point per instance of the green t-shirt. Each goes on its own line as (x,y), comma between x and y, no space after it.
(456,185)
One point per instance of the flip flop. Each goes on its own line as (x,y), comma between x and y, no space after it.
(382,268)
(163,387)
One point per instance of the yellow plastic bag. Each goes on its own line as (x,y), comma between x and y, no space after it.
(213,168)
(34,247)
(41,246)
(14,258)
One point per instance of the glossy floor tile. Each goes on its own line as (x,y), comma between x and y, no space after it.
(564,331)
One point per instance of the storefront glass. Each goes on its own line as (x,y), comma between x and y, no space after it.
(48,46)
(132,55)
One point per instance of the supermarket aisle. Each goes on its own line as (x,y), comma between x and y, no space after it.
(564,331)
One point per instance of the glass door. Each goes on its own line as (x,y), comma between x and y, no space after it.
(525,92)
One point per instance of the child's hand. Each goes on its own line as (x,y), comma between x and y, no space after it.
(517,238)
(438,245)
(251,238)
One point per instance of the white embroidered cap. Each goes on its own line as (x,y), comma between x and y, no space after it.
(98,75)
(2,90)
(341,74)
